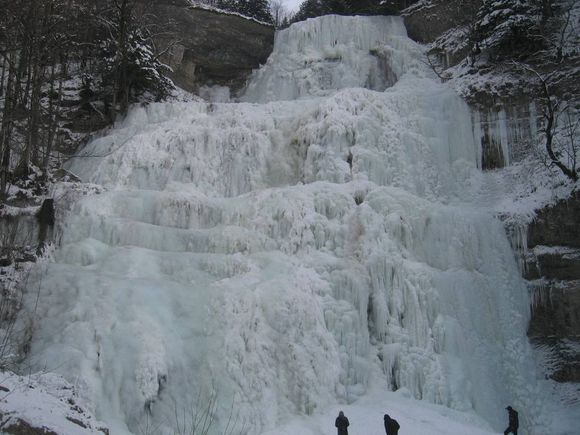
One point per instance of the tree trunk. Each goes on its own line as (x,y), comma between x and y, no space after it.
(3,76)
(6,129)
(53,122)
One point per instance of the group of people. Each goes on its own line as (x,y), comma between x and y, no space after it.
(342,424)
(392,426)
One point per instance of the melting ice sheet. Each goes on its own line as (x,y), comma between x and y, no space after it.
(287,255)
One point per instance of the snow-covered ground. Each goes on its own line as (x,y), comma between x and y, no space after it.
(45,402)
(366,418)
(314,248)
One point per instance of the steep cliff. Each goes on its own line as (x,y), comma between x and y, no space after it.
(210,48)
(553,268)
(427,21)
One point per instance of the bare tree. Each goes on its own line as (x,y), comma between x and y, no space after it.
(192,419)
(559,125)
(45,48)
(280,13)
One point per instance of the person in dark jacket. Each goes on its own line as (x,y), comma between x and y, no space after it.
(391,425)
(514,422)
(341,424)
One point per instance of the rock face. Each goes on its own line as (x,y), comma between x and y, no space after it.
(558,225)
(426,21)
(211,48)
(554,274)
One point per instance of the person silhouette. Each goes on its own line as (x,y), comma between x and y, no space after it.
(391,425)
(514,422)
(342,424)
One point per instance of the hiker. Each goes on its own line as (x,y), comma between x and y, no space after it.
(341,424)
(514,422)
(391,425)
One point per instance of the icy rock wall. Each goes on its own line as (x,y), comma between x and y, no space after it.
(506,133)
(284,256)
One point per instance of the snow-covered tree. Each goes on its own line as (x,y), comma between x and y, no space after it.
(508,24)
(316,8)
(36,40)
(130,66)
(144,73)
(258,9)
(104,46)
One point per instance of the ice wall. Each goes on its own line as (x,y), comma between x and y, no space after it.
(286,255)
(322,55)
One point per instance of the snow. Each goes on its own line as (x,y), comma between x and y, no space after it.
(215,94)
(313,248)
(366,417)
(201,5)
(44,401)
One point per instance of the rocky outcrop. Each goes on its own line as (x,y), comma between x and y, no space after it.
(427,21)
(558,225)
(553,269)
(211,48)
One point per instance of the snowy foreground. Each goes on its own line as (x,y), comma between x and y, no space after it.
(366,418)
(43,401)
(325,242)
(47,401)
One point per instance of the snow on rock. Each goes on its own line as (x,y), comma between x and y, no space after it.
(274,259)
(208,7)
(43,404)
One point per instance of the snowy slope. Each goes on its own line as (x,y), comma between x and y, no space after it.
(45,402)
(318,244)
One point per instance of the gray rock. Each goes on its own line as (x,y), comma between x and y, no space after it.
(557,225)
(560,265)
(556,314)
(211,48)
(425,24)
(21,427)
(554,264)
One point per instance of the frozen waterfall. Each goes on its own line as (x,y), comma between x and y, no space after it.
(317,57)
(287,252)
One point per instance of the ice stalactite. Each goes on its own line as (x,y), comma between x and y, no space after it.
(506,132)
(285,255)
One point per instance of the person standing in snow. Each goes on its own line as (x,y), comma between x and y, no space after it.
(391,425)
(514,422)
(342,424)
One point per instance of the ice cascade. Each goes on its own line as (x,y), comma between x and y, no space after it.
(281,254)
(319,56)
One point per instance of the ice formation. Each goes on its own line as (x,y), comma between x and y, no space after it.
(313,59)
(289,251)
